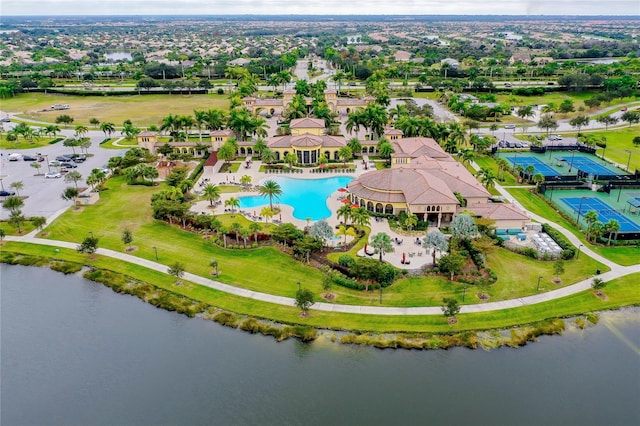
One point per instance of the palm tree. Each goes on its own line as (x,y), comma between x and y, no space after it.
(290,159)
(107,128)
(487,177)
(240,122)
(346,231)
(254,228)
(466,156)
(345,212)
(52,130)
(215,119)
(267,213)
(81,130)
(211,192)
(345,154)
(259,146)
(17,186)
(245,180)
(270,189)
(611,227)
(267,155)
(201,121)
(382,244)
(529,171)
(538,178)
(236,228)
(360,216)
(502,166)
(338,77)
(232,202)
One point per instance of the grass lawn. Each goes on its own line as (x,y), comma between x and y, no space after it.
(489,162)
(23,143)
(122,143)
(228,189)
(231,167)
(143,110)
(9,229)
(622,255)
(620,292)
(618,141)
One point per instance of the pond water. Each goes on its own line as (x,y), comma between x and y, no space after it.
(74,352)
(308,197)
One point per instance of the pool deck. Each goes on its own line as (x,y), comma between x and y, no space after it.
(417,255)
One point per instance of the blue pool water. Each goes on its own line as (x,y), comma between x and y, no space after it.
(308,197)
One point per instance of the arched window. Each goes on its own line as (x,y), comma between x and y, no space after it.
(379,208)
(370,206)
(388,209)
(428,208)
(438,208)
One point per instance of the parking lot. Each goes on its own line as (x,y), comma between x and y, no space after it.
(42,197)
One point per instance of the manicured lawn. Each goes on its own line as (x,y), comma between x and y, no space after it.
(620,292)
(143,110)
(9,229)
(489,162)
(618,141)
(622,255)
(124,143)
(23,143)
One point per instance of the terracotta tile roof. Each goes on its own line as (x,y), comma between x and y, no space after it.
(147,133)
(307,123)
(497,211)
(223,132)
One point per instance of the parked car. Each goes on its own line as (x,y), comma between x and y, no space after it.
(15,157)
(6,193)
(509,126)
(5,120)
(78,158)
(52,175)
(29,158)
(63,158)
(68,165)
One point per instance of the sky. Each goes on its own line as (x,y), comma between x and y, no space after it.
(320,7)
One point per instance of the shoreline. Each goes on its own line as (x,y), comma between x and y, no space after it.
(487,338)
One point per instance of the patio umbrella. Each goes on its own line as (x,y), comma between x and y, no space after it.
(354,206)
(346,201)
(365,248)
(342,189)
(280,217)
(402,258)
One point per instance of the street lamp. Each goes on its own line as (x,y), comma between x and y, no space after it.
(91,232)
(580,211)
(464,292)
(539,278)
(48,166)
(515,160)
(299,286)
(571,165)
(578,255)
(620,192)
(155,249)
(629,160)
(557,178)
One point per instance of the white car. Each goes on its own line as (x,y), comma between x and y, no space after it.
(509,126)
(52,175)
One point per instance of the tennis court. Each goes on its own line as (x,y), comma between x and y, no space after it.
(604,210)
(539,166)
(588,165)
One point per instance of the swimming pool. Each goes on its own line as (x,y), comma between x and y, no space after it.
(308,197)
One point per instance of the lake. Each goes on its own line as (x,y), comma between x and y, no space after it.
(74,352)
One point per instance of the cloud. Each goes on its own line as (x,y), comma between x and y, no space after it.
(321,7)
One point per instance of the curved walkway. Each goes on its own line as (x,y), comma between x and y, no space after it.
(616,272)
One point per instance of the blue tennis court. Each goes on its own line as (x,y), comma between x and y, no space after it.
(588,165)
(540,167)
(604,210)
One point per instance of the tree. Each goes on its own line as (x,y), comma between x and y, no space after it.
(13,203)
(70,193)
(127,238)
(579,122)
(636,141)
(452,263)
(211,192)
(346,231)
(327,284)
(463,227)
(630,117)
(304,300)
(64,119)
(74,177)
(382,244)
(487,177)
(437,242)
(214,264)
(96,178)
(360,217)
(607,120)
(267,213)
(291,159)
(16,218)
(271,189)
(80,130)
(345,211)
(227,152)
(254,228)
(321,230)
(17,186)
(232,202)
(598,284)
(39,222)
(89,245)
(611,227)
(71,143)
(176,270)
(558,268)
(451,307)
(548,123)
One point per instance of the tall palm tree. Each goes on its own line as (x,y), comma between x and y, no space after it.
(232,202)
(271,189)
(291,159)
(345,212)
(215,119)
(382,244)
(611,227)
(107,128)
(345,154)
(201,121)
(240,122)
(211,192)
(81,130)
(360,216)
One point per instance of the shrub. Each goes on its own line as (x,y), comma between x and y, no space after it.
(220,91)
(346,261)
(66,267)
(569,250)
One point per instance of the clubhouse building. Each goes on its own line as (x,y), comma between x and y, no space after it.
(428,182)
